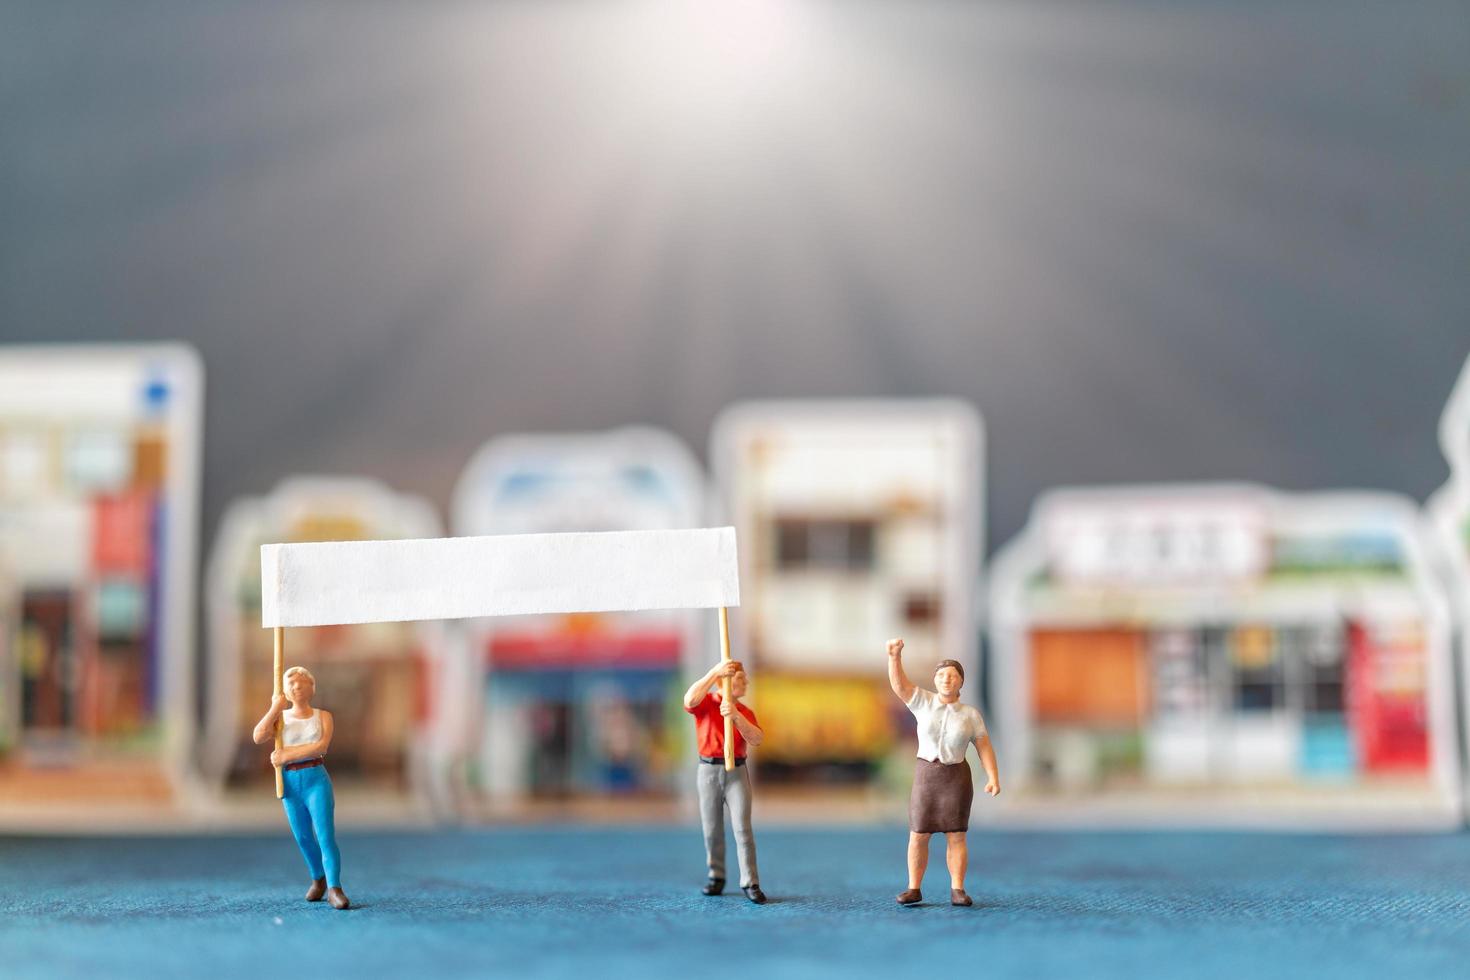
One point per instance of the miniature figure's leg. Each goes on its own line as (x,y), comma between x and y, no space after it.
(738,795)
(710,781)
(323,807)
(300,819)
(957,856)
(918,858)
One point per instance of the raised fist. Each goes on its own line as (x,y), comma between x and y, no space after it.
(895,648)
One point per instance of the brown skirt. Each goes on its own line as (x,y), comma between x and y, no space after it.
(940,801)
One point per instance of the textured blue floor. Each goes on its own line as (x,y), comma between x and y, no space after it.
(623,903)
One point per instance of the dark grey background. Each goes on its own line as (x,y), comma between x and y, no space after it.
(1150,241)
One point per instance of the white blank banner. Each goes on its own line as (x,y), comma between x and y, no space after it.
(336,582)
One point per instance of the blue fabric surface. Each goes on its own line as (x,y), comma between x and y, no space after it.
(624,903)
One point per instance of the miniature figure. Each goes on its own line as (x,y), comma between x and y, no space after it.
(306,732)
(719,788)
(943,790)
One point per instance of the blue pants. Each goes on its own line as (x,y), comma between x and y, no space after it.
(311,809)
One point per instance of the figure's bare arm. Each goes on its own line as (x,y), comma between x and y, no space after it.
(329,728)
(897,679)
(700,688)
(265,729)
(987,759)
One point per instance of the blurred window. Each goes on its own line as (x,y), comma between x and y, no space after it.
(921,609)
(1319,651)
(1259,684)
(826,544)
(1180,673)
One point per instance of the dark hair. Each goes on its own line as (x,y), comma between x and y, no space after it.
(950,663)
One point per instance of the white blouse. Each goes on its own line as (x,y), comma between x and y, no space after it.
(945,730)
(301,731)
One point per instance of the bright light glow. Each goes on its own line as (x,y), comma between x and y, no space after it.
(675,147)
(714,54)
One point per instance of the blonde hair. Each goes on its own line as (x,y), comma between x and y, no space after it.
(299,670)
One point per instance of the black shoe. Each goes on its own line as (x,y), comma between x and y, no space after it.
(715,886)
(754,893)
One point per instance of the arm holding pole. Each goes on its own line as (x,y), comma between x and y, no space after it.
(265,729)
(748,730)
(700,689)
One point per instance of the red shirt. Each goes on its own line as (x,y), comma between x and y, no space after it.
(709,727)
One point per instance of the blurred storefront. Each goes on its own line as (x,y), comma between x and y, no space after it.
(380,680)
(582,706)
(858,521)
(99,490)
(1224,651)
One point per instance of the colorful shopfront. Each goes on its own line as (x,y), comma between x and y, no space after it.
(1154,645)
(579,706)
(99,488)
(858,521)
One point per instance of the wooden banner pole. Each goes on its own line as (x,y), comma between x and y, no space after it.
(280,667)
(725,691)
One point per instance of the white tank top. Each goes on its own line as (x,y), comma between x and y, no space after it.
(301,731)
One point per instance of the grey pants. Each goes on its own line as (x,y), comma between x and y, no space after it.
(718,789)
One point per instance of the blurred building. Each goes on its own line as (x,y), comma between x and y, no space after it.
(379,680)
(1449,515)
(858,521)
(587,704)
(99,490)
(1219,650)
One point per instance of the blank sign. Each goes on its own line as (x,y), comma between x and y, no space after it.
(335,582)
